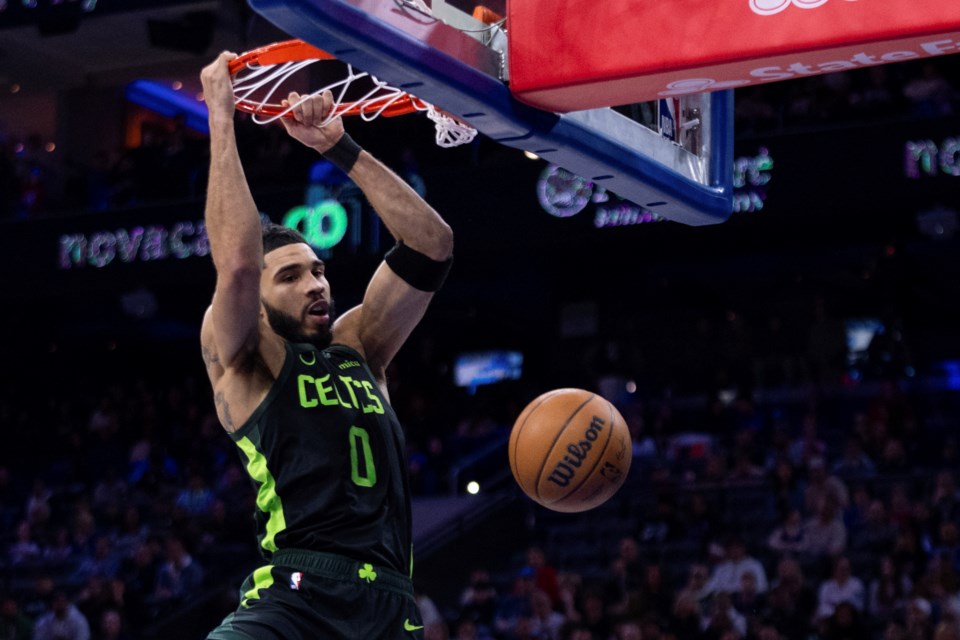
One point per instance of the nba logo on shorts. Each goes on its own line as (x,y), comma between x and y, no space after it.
(295,580)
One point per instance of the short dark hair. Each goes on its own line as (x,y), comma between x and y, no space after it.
(276,235)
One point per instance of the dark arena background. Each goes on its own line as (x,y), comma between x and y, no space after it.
(791,377)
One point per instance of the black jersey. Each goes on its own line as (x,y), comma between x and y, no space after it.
(326,453)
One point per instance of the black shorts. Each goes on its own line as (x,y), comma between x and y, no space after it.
(317,596)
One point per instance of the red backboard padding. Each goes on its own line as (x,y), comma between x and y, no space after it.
(568,55)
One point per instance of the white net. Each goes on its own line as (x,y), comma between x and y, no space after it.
(256,85)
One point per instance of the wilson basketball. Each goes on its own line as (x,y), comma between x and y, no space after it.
(570,450)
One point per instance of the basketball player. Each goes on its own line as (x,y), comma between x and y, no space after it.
(303,394)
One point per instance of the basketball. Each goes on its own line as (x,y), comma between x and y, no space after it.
(570,450)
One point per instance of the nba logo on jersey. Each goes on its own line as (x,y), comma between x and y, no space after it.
(295,580)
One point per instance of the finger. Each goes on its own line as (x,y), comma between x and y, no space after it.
(294,99)
(308,111)
(327,105)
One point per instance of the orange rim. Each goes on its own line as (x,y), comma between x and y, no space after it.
(297,51)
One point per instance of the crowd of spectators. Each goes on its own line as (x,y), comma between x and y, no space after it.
(791,533)
(119,501)
(926,89)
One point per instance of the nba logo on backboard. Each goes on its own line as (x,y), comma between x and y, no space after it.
(668,109)
(295,578)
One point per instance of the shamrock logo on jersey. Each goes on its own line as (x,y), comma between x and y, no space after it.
(367,573)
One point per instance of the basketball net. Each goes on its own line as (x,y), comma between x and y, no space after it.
(255,85)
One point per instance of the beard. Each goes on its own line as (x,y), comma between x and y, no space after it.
(291,329)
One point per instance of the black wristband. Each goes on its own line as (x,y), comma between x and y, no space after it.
(344,154)
(416,269)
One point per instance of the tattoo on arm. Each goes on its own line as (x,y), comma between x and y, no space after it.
(221,403)
(209,357)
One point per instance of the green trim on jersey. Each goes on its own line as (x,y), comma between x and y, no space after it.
(262,579)
(267,499)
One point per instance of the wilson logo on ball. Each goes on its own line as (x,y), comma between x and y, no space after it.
(576,453)
(569,450)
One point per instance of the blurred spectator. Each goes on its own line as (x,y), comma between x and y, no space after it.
(894,631)
(61,549)
(907,552)
(846,623)
(822,486)
(791,536)
(855,515)
(104,563)
(855,463)
(179,576)
(593,615)
(546,623)
(63,622)
(429,614)
(14,625)
(24,550)
(663,525)
(841,587)
(94,598)
(628,630)
(140,571)
(546,574)
(946,498)
(787,490)
(877,534)
(654,595)
(514,606)
(787,614)
(196,499)
(825,532)
(112,627)
(929,92)
(901,512)
(894,460)
(110,496)
(749,602)
(467,630)
(36,602)
(947,630)
(728,574)
(696,587)
(686,617)
(919,619)
(948,547)
(888,592)
(478,601)
(131,533)
(38,504)
(701,522)
(723,618)
(578,631)
(83,531)
(436,631)
(628,552)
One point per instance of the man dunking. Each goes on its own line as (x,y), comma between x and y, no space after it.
(304,395)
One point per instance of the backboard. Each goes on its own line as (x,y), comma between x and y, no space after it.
(449,58)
